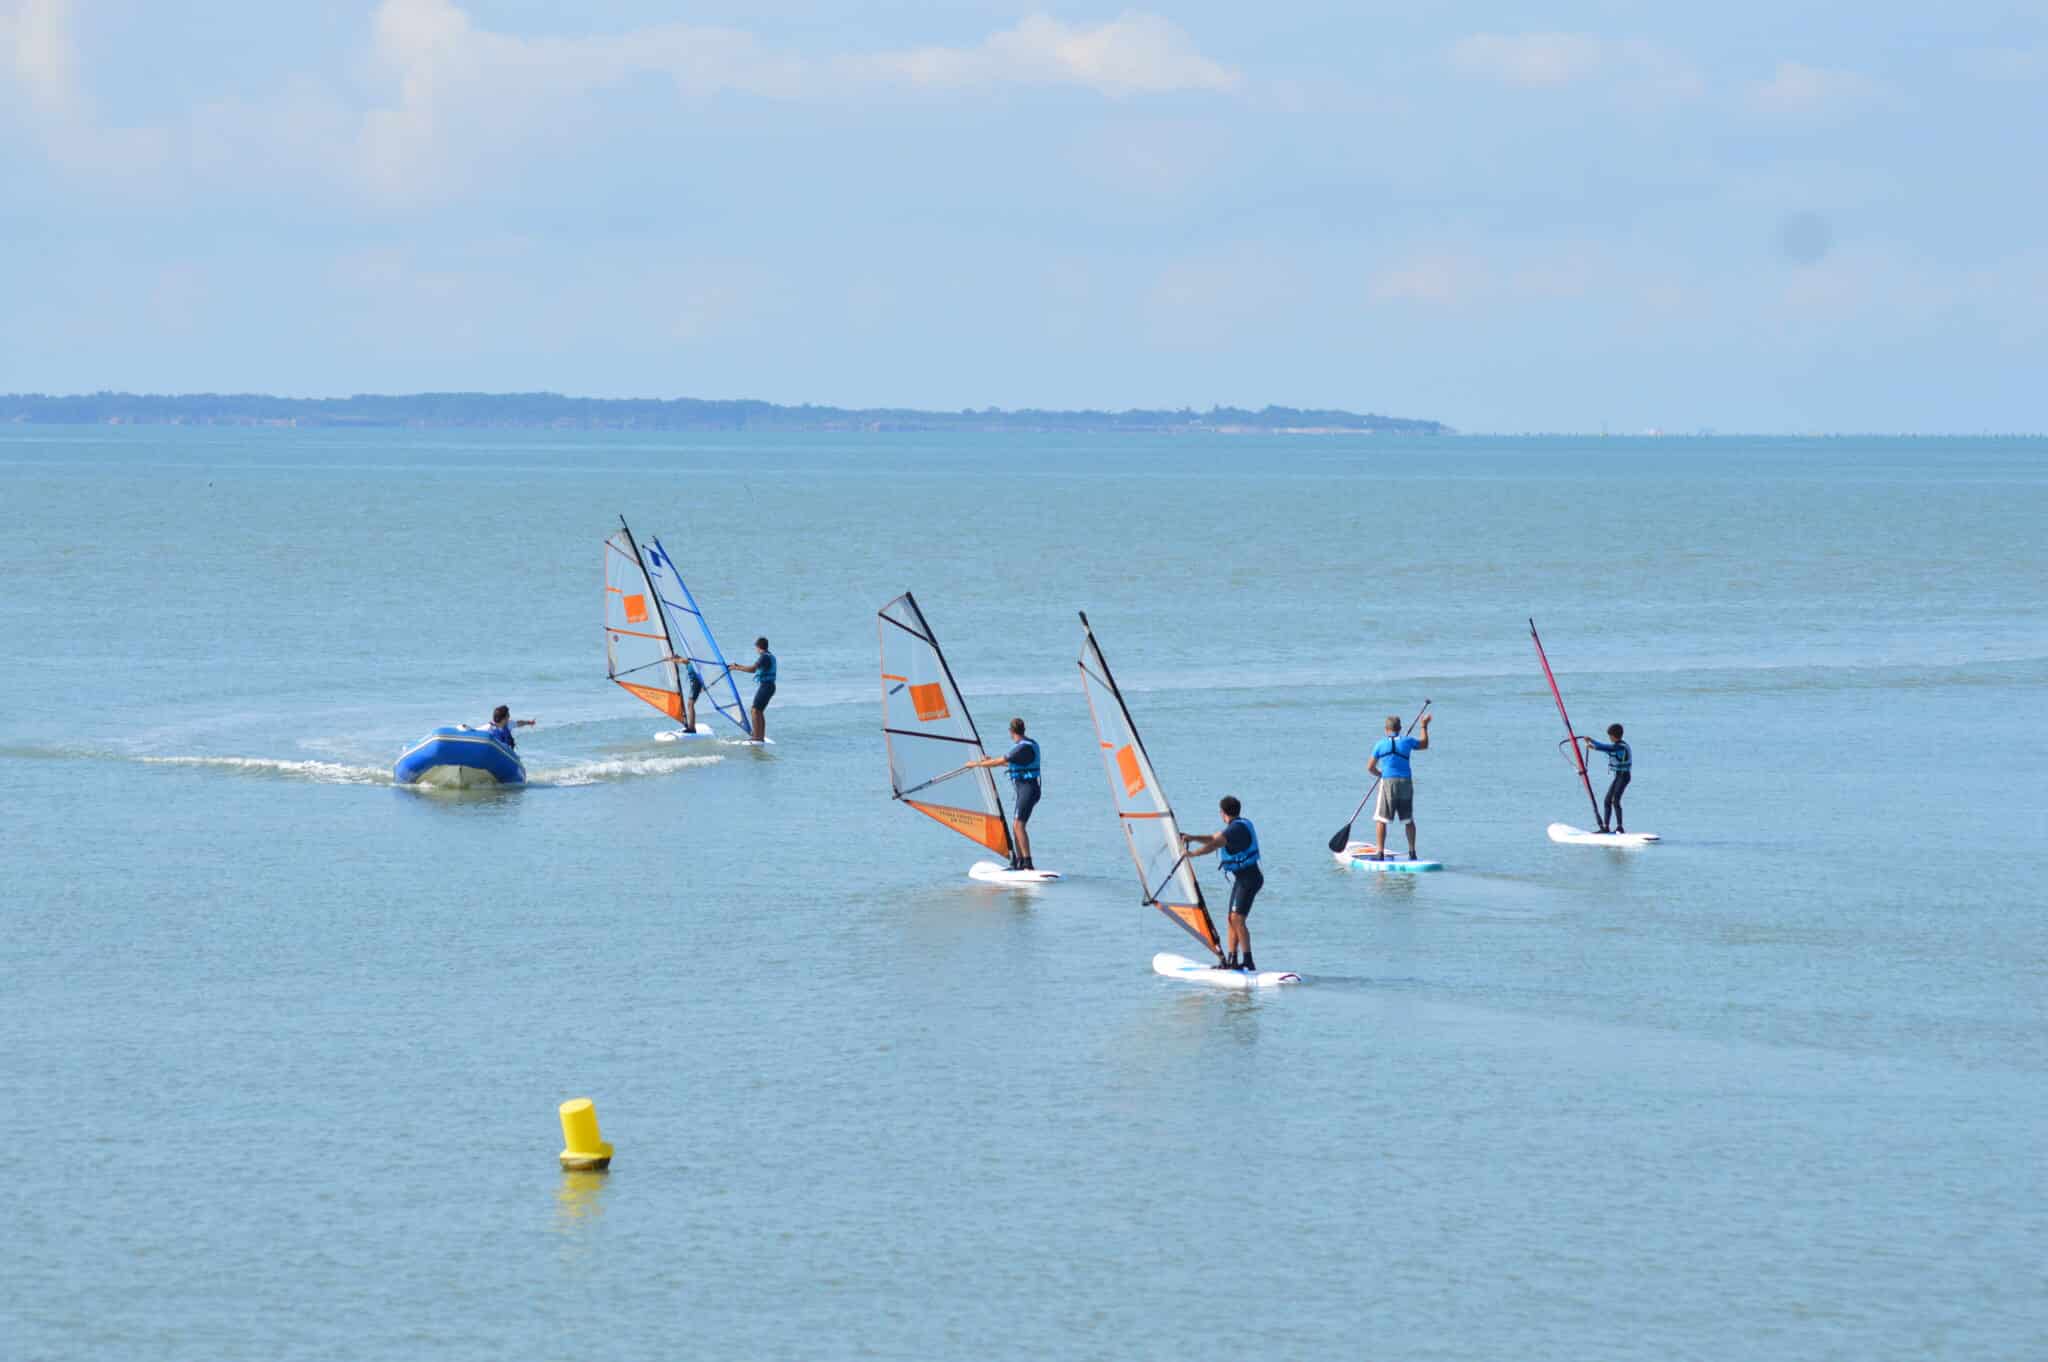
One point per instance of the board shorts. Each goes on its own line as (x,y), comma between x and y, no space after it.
(696,685)
(1244,887)
(763,693)
(1397,801)
(1027,799)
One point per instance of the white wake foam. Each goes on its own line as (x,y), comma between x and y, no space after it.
(621,768)
(326,772)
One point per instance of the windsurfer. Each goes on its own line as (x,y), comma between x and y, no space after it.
(1389,764)
(1239,842)
(1619,761)
(1022,761)
(763,668)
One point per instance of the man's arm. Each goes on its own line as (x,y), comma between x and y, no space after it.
(1372,766)
(741,666)
(988,761)
(1422,743)
(524,723)
(1208,843)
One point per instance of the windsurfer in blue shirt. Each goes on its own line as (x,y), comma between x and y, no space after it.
(1239,842)
(1619,761)
(1022,761)
(1389,765)
(763,668)
(502,725)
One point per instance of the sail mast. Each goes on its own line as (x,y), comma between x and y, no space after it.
(626,607)
(1571,736)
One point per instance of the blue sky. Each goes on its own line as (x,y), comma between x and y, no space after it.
(1747,216)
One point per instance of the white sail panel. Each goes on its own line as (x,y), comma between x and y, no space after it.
(696,649)
(929,734)
(1150,829)
(636,644)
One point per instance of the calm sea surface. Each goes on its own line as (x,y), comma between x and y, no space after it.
(282,1044)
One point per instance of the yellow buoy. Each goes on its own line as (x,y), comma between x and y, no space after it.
(581,1145)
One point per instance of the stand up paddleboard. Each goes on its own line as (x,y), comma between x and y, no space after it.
(994,872)
(1193,972)
(683,734)
(1566,833)
(1365,856)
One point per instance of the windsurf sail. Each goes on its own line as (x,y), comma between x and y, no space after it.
(1150,829)
(929,734)
(690,636)
(1571,737)
(637,652)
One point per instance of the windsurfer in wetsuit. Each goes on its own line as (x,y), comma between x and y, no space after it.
(1619,760)
(1239,842)
(502,725)
(1022,761)
(763,668)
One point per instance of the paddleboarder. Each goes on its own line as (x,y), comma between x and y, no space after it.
(1239,842)
(763,668)
(1619,761)
(1389,765)
(1022,761)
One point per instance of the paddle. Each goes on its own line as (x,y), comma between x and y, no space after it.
(1343,835)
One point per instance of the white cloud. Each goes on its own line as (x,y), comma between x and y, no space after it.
(1796,90)
(1433,278)
(37,55)
(1133,54)
(1537,61)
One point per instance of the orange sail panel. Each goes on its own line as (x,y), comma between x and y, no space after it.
(637,652)
(929,735)
(1151,832)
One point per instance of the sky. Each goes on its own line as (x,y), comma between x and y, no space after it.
(1746,216)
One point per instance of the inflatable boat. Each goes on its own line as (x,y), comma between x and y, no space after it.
(459,757)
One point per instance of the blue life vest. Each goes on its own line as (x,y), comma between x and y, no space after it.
(1027,769)
(1234,861)
(764,670)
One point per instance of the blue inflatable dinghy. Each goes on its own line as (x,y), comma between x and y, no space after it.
(459,757)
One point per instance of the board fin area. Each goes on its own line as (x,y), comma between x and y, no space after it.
(1192,972)
(994,872)
(1571,836)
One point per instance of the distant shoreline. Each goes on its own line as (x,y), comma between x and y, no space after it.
(553,411)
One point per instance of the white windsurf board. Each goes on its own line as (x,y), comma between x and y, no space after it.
(1566,833)
(680,734)
(995,872)
(1193,972)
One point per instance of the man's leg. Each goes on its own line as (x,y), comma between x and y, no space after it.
(1380,826)
(1411,839)
(760,724)
(1611,811)
(1242,930)
(1023,842)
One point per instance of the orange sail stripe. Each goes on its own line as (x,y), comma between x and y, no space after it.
(635,633)
(887,677)
(1195,918)
(667,701)
(972,824)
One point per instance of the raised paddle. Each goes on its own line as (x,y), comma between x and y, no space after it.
(1342,838)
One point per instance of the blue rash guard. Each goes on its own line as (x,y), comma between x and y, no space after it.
(1392,755)
(502,732)
(1618,755)
(764,670)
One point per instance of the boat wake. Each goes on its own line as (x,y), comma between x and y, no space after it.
(321,772)
(621,768)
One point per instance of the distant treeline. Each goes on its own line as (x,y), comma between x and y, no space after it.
(553,411)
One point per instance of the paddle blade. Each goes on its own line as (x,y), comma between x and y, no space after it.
(1341,839)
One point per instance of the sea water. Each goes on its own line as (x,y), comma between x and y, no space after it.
(283,1044)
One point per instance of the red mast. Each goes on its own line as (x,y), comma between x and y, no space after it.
(1578,757)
